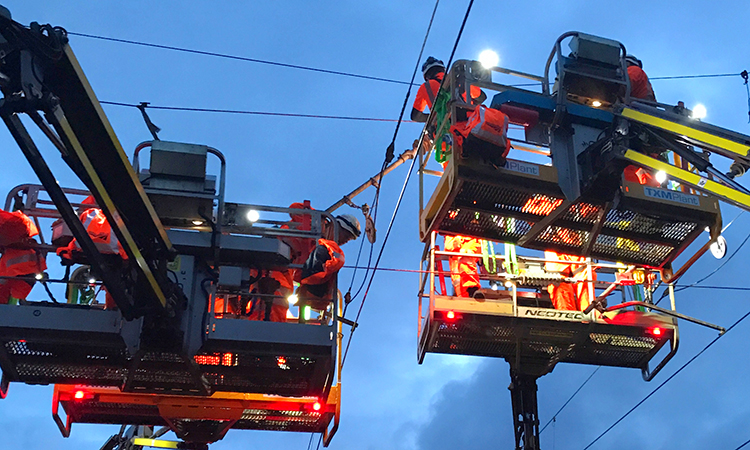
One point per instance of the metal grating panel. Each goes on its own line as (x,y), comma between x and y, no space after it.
(498,204)
(545,341)
(148,414)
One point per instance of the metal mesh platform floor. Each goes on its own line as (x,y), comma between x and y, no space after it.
(59,345)
(540,337)
(195,416)
(519,204)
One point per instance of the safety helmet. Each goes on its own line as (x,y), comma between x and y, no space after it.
(630,59)
(431,63)
(349,223)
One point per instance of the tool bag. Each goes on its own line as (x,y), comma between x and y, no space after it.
(484,134)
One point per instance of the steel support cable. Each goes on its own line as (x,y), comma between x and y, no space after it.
(680,288)
(403,189)
(263,113)
(668,380)
(255,113)
(554,417)
(743,445)
(389,154)
(328,71)
(713,272)
(238,58)
(677,289)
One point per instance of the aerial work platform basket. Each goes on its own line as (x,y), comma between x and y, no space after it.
(61,343)
(517,322)
(610,178)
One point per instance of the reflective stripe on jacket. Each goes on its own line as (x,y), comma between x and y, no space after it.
(16,262)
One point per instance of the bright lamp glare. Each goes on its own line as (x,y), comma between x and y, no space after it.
(39,276)
(253,215)
(699,111)
(596,103)
(489,59)
(92,280)
(660,176)
(292,299)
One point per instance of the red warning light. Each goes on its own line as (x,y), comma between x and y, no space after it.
(281,360)
(656,331)
(79,395)
(450,315)
(317,406)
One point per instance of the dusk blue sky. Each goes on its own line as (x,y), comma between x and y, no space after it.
(389,401)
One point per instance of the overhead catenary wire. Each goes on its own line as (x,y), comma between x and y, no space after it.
(403,188)
(389,154)
(671,377)
(322,70)
(237,58)
(743,445)
(554,416)
(255,113)
(678,288)
(260,113)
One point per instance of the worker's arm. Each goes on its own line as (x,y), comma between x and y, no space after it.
(418,116)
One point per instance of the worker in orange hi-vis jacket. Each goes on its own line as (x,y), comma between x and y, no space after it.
(19,258)
(640,89)
(464,273)
(640,86)
(321,262)
(100,231)
(433,71)
(568,296)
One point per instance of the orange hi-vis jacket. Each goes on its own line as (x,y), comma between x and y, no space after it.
(17,228)
(464,273)
(18,262)
(101,233)
(323,263)
(640,86)
(428,91)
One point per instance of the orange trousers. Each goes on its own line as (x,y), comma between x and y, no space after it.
(464,273)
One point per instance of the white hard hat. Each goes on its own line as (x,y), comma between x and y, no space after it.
(630,59)
(349,223)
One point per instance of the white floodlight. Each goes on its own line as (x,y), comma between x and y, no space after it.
(596,103)
(292,299)
(253,215)
(489,59)
(661,176)
(699,111)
